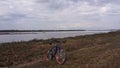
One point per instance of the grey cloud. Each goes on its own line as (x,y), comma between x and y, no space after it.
(12,17)
(60,14)
(100,2)
(42,1)
(58,4)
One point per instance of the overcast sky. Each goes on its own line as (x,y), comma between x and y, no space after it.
(59,14)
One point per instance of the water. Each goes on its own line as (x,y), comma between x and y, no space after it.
(44,35)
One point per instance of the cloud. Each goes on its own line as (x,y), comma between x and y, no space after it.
(59,14)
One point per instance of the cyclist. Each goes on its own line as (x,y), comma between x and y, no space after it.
(54,49)
(56,52)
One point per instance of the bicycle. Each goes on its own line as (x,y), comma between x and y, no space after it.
(58,53)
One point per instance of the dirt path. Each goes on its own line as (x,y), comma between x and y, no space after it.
(28,64)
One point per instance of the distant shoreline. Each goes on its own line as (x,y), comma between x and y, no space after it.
(55,30)
(12,32)
(37,30)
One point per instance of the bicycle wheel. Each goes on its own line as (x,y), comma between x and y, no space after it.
(60,57)
(51,53)
(48,56)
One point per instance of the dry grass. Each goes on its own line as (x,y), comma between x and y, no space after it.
(91,51)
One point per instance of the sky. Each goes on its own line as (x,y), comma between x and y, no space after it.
(59,14)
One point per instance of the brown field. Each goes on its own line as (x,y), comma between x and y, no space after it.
(90,51)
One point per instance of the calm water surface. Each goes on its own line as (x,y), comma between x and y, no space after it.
(44,35)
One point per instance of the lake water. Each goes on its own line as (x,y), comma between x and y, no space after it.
(44,35)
